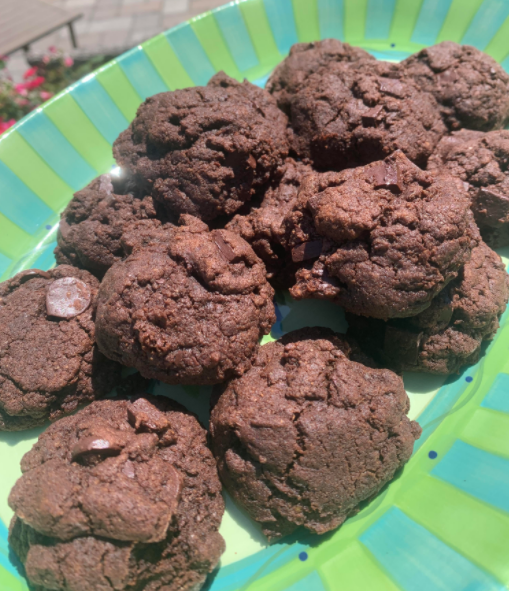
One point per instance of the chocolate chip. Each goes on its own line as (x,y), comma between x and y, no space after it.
(392,86)
(386,176)
(25,276)
(251,161)
(95,445)
(145,416)
(306,251)
(224,248)
(496,205)
(67,297)
(370,116)
(402,345)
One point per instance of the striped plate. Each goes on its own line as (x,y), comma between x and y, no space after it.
(443,524)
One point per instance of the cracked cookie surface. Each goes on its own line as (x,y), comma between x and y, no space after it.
(49,363)
(124,495)
(307,434)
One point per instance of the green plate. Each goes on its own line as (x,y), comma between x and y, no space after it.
(443,524)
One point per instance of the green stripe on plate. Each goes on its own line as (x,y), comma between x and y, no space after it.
(472,528)
(77,128)
(257,22)
(404,21)
(355,20)
(357,570)
(14,239)
(306,20)
(212,41)
(9,582)
(488,430)
(498,47)
(167,63)
(116,84)
(458,19)
(26,163)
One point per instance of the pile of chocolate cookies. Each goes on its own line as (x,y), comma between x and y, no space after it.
(379,186)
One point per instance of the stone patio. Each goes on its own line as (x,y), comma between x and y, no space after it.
(115,25)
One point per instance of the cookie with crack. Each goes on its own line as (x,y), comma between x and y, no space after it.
(482,161)
(206,150)
(49,363)
(308,434)
(471,88)
(123,495)
(305,59)
(381,240)
(93,223)
(262,226)
(188,311)
(350,114)
(449,334)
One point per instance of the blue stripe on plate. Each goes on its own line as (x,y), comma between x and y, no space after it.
(505,64)
(141,73)
(4,552)
(57,151)
(477,472)
(312,582)
(418,561)
(99,107)
(486,22)
(5,262)
(236,35)
(498,396)
(330,18)
(282,23)
(20,204)
(430,20)
(46,259)
(379,18)
(191,54)
(261,82)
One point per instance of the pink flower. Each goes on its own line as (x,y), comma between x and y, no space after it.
(35,83)
(4,125)
(52,49)
(30,72)
(21,88)
(68,62)
(22,102)
(45,95)
(46,59)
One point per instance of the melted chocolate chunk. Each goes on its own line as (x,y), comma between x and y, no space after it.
(224,248)
(67,297)
(306,251)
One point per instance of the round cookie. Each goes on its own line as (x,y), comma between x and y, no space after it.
(305,59)
(470,86)
(482,161)
(205,151)
(122,495)
(262,227)
(92,224)
(449,334)
(352,114)
(49,364)
(188,311)
(381,240)
(307,434)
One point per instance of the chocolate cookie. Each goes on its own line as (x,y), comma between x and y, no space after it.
(49,363)
(262,227)
(448,335)
(470,86)
(482,161)
(307,434)
(92,225)
(190,311)
(305,59)
(381,240)
(352,114)
(122,495)
(205,151)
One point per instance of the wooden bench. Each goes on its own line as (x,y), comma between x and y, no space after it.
(23,22)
